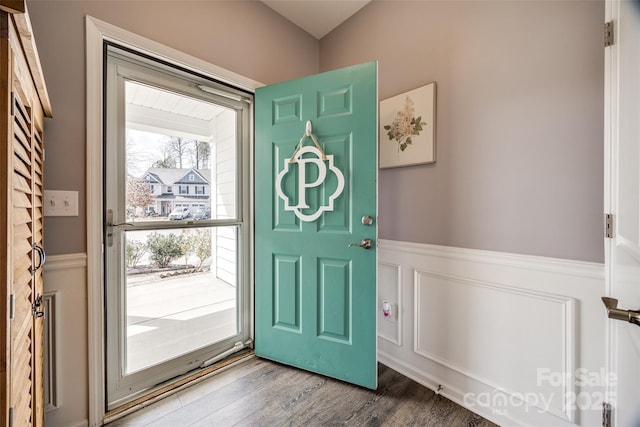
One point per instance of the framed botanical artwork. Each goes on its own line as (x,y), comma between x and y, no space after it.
(408,128)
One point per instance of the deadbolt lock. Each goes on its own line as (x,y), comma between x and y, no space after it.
(367,220)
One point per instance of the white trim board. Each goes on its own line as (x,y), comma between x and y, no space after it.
(487,327)
(65,261)
(97,32)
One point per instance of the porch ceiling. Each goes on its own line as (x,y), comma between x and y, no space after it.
(159,111)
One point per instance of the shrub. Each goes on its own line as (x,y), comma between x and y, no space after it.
(197,242)
(134,252)
(202,245)
(164,248)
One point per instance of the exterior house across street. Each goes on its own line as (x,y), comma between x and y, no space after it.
(173,188)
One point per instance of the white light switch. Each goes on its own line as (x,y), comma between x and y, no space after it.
(60,203)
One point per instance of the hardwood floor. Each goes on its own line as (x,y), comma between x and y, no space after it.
(262,393)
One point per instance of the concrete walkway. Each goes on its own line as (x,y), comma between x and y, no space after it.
(172,316)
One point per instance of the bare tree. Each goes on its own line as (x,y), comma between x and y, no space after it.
(201,152)
(179,148)
(134,156)
(166,160)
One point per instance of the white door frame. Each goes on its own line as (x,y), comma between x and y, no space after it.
(613,57)
(97,32)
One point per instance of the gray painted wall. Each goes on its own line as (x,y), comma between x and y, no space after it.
(519,121)
(520,106)
(245,37)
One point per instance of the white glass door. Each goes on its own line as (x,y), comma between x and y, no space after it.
(175,223)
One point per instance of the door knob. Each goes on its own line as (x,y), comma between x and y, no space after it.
(631,316)
(365,244)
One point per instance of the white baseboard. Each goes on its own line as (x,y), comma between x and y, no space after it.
(501,334)
(451,393)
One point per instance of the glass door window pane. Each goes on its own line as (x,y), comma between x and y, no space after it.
(181,292)
(172,160)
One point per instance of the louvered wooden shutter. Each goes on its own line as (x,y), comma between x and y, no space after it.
(23,335)
(23,101)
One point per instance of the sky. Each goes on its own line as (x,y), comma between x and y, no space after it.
(143,148)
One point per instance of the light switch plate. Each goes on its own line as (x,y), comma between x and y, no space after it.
(60,203)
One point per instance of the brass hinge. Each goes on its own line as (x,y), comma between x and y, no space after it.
(608,226)
(606,414)
(608,34)
(12,306)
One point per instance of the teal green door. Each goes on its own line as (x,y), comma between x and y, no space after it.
(315,296)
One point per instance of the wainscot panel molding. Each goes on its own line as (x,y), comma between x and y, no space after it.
(65,283)
(517,339)
(50,351)
(389,281)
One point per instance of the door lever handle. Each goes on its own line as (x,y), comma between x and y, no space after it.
(110,225)
(42,257)
(120,224)
(365,244)
(613,312)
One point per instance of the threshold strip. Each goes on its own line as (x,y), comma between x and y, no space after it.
(173,387)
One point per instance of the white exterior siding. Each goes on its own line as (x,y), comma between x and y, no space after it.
(225,255)
(225,169)
(224,204)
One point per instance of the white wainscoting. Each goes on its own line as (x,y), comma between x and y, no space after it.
(65,285)
(517,339)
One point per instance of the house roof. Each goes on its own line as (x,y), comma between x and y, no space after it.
(198,178)
(171,176)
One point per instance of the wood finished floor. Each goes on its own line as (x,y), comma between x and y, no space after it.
(258,392)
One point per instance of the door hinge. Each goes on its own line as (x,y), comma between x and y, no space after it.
(608,34)
(13,104)
(12,306)
(606,414)
(608,226)
(11,416)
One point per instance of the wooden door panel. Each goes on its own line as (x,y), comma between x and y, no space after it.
(25,342)
(315,295)
(21,119)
